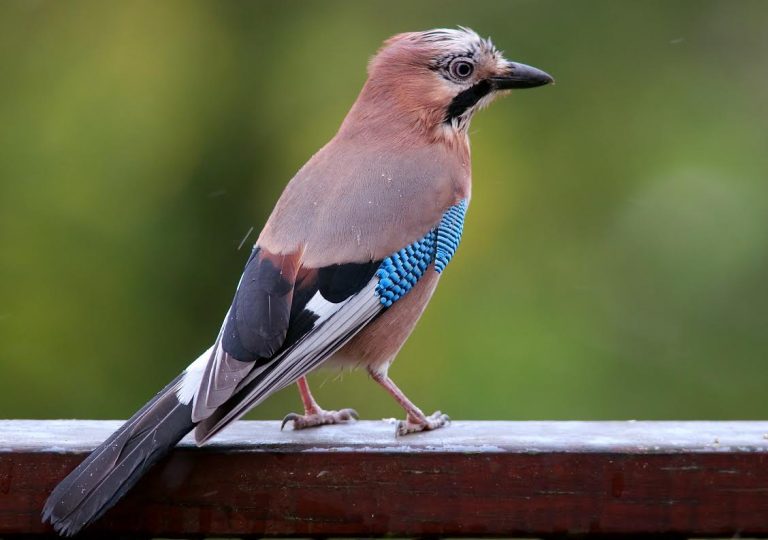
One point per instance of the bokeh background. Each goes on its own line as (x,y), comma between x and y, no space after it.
(615,258)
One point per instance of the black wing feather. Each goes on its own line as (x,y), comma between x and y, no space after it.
(258,320)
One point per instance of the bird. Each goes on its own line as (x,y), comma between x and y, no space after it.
(342,270)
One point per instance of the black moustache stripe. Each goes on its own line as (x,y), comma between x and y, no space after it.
(466,99)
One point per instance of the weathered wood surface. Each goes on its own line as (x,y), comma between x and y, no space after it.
(471,479)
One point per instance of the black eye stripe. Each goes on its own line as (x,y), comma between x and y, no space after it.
(466,99)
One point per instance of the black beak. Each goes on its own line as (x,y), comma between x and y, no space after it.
(521,76)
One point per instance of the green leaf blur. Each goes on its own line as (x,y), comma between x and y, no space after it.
(615,253)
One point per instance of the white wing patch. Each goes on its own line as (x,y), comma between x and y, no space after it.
(322,307)
(193,375)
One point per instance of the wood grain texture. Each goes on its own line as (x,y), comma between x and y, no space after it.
(471,479)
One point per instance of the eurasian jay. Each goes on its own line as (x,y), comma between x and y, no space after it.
(342,270)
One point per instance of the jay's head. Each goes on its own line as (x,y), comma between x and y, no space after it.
(439,78)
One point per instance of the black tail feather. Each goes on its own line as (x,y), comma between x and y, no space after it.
(118,463)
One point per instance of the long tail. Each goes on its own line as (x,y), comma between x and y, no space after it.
(115,466)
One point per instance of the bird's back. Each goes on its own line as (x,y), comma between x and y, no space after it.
(362,198)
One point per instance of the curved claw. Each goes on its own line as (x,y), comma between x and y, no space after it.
(349,414)
(288,418)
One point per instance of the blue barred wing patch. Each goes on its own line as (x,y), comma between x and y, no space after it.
(449,234)
(399,272)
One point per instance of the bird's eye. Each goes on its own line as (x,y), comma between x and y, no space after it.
(461,69)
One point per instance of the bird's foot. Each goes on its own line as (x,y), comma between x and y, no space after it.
(425,423)
(319,418)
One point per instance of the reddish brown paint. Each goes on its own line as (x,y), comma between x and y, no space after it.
(302,489)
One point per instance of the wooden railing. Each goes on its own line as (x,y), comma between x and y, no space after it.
(539,479)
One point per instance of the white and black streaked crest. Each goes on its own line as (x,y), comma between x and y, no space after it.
(461,42)
(465,61)
(459,35)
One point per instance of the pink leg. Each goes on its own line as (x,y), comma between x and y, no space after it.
(314,415)
(415,420)
(310,405)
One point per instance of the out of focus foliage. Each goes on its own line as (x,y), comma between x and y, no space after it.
(615,258)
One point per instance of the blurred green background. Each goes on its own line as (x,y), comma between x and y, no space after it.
(616,251)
